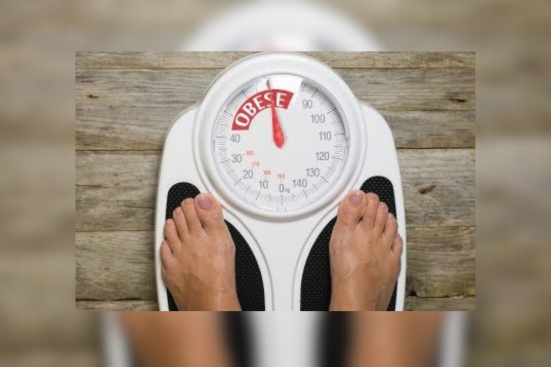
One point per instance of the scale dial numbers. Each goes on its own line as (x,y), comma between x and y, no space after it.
(280,143)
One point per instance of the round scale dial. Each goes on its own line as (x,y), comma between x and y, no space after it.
(280,143)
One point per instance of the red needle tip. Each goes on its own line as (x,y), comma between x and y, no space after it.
(279,138)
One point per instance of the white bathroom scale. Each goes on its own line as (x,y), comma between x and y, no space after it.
(279,139)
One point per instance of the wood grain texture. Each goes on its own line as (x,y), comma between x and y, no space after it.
(193,60)
(115,191)
(115,266)
(384,89)
(441,261)
(117,305)
(119,266)
(411,304)
(440,304)
(144,128)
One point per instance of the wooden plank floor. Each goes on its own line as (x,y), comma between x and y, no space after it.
(126,101)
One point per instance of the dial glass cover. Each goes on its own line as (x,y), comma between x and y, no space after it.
(280,143)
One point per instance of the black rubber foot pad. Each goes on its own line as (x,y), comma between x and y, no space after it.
(250,288)
(315,291)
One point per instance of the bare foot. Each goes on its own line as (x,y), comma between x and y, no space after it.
(365,252)
(177,339)
(198,257)
(395,340)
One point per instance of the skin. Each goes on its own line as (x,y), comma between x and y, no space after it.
(198,255)
(395,339)
(198,259)
(365,252)
(176,339)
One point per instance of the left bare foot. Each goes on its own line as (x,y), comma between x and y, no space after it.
(198,257)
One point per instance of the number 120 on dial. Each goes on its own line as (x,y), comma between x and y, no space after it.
(280,143)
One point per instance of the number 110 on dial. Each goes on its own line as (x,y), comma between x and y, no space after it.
(280,143)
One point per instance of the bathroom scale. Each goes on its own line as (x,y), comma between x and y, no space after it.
(280,140)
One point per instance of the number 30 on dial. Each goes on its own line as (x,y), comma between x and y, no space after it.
(280,143)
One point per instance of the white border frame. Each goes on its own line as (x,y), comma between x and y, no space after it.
(261,65)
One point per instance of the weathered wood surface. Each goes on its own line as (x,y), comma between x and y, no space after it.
(384,89)
(412,304)
(205,60)
(144,128)
(126,101)
(117,305)
(115,191)
(439,304)
(116,266)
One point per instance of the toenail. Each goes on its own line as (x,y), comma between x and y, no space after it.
(188,201)
(178,210)
(168,223)
(356,198)
(204,202)
(382,205)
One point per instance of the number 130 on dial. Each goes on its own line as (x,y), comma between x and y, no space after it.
(280,143)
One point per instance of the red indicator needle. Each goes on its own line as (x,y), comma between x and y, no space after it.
(279,138)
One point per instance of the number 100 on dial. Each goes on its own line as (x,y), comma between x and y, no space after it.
(280,143)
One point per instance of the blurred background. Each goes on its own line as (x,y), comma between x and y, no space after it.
(38,40)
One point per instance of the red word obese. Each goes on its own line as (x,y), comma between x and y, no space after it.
(257,103)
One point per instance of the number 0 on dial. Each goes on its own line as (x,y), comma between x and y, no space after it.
(280,143)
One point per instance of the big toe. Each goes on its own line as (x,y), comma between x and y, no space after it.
(209,212)
(351,210)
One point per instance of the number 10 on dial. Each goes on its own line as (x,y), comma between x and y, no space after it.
(280,143)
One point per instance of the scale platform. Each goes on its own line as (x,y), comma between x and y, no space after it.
(279,139)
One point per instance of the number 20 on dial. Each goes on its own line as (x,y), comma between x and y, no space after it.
(280,143)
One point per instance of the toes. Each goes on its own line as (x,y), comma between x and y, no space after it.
(209,212)
(180,221)
(398,245)
(391,227)
(190,213)
(370,213)
(171,235)
(351,209)
(166,253)
(381,217)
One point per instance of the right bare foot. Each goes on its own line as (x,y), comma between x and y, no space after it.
(365,251)
(198,257)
